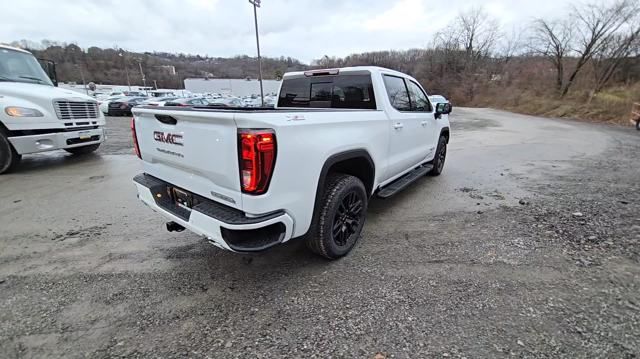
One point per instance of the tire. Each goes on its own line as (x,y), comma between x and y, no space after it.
(439,159)
(9,158)
(638,125)
(336,227)
(83,150)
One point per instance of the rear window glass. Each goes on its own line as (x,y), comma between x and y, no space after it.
(342,91)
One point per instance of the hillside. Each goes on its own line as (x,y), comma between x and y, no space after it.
(110,66)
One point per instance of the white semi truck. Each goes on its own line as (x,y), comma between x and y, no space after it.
(37,116)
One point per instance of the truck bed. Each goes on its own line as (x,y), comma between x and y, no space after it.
(205,157)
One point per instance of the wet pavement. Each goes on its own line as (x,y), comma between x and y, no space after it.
(487,260)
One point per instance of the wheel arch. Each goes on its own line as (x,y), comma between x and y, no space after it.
(445,132)
(355,162)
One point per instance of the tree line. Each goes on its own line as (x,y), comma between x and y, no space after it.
(117,66)
(593,47)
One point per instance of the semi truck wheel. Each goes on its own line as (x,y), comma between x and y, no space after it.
(83,150)
(337,226)
(9,158)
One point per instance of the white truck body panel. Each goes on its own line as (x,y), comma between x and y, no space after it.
(49,131)
(207,161)
(41,98)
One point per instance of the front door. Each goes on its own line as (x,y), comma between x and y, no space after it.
(405,149)
(423,112)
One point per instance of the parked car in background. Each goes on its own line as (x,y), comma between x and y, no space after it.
(158,101)
(123,106)
(270,101)
(436,99)
(251,102)
(187,102)
(104,103)
(225,102)
(128,93)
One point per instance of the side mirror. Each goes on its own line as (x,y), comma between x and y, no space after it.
(50,68)
(441,108)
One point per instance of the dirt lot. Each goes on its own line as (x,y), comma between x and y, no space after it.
(528,245)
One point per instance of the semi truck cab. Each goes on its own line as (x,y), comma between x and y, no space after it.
(36,116)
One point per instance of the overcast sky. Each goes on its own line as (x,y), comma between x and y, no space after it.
(304,29)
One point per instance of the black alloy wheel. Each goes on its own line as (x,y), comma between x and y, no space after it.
(348,220)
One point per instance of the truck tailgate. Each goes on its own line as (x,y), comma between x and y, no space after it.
(192,150)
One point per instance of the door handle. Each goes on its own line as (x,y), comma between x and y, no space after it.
(398,125)
(424,123)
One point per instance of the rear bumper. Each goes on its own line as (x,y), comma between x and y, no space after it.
(225,227)
(56,140)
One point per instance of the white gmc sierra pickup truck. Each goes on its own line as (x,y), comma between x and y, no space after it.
(251,178)
(37,116)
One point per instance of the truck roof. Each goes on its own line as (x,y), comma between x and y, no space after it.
(7,47)
(371,69)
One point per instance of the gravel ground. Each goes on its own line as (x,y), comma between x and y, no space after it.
(547,268)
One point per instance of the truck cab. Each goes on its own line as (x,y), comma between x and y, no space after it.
(36,116)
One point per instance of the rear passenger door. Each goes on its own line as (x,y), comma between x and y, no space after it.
(406,147)
(422,111)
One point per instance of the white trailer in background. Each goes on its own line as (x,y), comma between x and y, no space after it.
(235,87)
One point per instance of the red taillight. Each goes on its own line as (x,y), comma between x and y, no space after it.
(257,152)
(135,138)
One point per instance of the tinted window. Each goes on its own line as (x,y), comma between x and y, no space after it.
(321,94)
(419,101)
(343,91)
(295,93)
(397,92)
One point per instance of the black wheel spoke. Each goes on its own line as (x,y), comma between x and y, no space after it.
(337,227)
(356,207)
(347,220)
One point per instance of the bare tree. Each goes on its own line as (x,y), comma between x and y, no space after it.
(474,33)
(552,40)
(614,50)
(595,24)
(477,33)
(511,44)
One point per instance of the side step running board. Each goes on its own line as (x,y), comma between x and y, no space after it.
(404,181)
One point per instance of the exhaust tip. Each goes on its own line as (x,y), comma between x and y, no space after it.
(174,227)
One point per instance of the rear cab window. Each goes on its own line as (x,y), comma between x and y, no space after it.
(405,95)
(346,91)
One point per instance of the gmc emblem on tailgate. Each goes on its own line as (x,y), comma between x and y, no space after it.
(170,138)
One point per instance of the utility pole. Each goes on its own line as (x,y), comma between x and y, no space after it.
(82,76)
(79,66)
(126,71)
(256,5)
(144,81)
